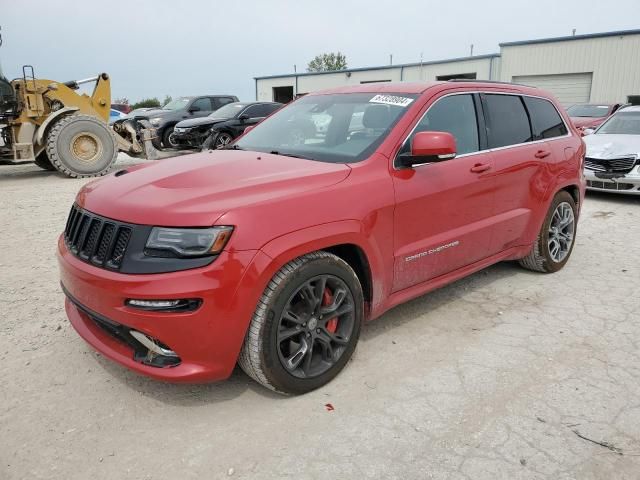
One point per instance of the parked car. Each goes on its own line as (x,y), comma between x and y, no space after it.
(121,107)
(273,252)
(166,118)
(222,126)
(613,154)
(590,115)
(115,115)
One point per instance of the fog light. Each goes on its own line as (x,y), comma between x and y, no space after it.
(179,305)
(152,344)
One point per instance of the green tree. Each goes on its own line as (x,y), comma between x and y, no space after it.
(167,99)
(327,62)
(147,103)
(123,100)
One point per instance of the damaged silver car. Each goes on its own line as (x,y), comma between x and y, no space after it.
(612,162)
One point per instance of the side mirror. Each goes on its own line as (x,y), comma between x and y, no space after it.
(428,147)
(587,131)
(243,117)
(194,108)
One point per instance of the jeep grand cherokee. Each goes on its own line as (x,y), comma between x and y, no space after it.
(273,252)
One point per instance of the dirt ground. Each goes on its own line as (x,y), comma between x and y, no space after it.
(504,375)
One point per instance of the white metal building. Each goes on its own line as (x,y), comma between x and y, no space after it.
(600,67)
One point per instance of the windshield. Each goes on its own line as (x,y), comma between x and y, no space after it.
(622,123)
(597,111)
(177,104)
(228,111)
(341,128)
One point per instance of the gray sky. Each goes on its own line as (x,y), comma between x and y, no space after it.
(153,48)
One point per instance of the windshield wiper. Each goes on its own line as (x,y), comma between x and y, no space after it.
(293,155)
(233,147)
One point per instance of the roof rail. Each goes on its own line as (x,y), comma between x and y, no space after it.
(472,80)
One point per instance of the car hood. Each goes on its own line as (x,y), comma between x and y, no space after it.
(587,121)
(155,113)
(195,190)
(605,146)
(198,122)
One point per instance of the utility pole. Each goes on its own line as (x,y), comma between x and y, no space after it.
(391,59)
(471,54)
(573,34)
(294,68)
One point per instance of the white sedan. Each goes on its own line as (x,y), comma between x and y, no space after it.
(612,162)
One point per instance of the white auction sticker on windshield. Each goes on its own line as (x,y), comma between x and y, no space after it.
(391,100)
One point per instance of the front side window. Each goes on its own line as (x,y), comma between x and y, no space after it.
(545,119)
(455,114)
(177,104)
(341,128)
(507,120)
(622,123)
(254,111)
(204,104)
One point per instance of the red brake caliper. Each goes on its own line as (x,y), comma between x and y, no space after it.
(327,299)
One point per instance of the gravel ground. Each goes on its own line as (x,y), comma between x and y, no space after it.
(504,375)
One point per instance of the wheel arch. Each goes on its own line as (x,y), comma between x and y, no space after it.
(343,239)
(42,129)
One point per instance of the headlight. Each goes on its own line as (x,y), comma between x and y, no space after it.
(155,121)
(187,242)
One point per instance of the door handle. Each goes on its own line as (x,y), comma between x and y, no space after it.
(542,154)
(480,167)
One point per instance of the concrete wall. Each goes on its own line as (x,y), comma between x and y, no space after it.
(264,91)
(614,62)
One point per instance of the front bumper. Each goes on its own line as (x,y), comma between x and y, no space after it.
(625,183)
(207,340)
(191,137)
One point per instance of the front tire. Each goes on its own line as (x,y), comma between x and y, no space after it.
(306,325)
(221,140)
(554,243)
(167,138)
(81,146)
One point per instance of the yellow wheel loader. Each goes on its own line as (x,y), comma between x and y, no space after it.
(49,123)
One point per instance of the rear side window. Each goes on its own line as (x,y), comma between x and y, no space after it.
(455,114)
(508,123)
(545,119)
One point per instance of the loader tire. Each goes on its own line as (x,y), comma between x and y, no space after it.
(43,162)
(81,146)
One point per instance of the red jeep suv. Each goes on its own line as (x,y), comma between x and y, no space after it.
(273,252)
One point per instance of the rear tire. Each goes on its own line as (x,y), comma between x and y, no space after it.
(299,339)
(554,243)
(43,162)
(81,146)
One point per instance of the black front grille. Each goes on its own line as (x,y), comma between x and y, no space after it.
(622,164)
(95,239)
(609,185)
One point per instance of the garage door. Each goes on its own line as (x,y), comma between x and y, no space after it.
(569,88)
